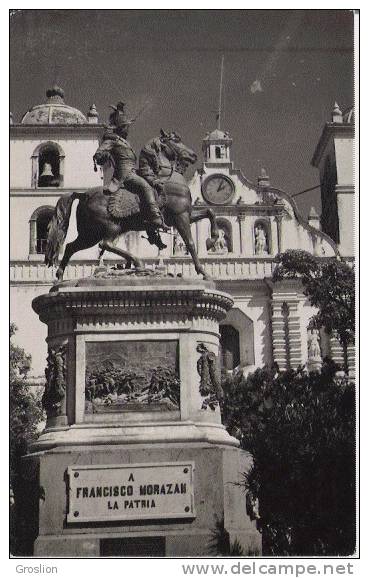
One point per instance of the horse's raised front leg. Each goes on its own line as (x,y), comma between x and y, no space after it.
(108,246)
(214,229)
(183,226)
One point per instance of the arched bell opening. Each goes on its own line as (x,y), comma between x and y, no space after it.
(39,223)
(48,166)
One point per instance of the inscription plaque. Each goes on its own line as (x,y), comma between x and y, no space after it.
(131,375)
(130,492)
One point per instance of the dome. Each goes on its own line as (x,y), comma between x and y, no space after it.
(217,135)
(54,111)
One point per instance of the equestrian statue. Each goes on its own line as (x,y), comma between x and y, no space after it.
(153,198)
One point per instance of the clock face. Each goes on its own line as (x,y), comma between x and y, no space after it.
(218,189)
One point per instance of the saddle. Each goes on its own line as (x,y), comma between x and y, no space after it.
(122,203)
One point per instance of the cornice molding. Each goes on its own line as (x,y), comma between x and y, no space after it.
(131,297)
(330,130)
(40,130)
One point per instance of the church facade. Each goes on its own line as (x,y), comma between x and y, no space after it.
(51,154)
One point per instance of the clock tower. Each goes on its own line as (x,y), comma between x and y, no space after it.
(216,147)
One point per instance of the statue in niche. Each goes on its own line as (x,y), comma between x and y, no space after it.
(55,374)
(209,372)
(314,351)
(261,245)
(130,240)
(179,247)
(221,245)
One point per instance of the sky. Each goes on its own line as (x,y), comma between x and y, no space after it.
(283,72)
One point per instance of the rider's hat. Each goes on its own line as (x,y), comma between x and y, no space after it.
(121,118)
(164,134)
(120,106)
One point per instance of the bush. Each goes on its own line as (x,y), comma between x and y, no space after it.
(25,415)
(300,430)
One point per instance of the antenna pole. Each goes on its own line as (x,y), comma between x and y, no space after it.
(220,92)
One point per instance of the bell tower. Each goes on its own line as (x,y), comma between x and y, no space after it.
(334,159)
(216,147)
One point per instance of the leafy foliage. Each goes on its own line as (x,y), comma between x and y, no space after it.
(25,415)
(300,431)
(329,285)
(25,407)
(221,545)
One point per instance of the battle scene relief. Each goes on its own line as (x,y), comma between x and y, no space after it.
(131,376)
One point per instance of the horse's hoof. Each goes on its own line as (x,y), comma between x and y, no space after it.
(205,275)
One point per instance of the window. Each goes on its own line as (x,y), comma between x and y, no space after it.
(229,347)
(48,166)
(237,341)
(39,228)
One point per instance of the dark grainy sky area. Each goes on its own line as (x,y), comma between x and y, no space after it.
(283,70)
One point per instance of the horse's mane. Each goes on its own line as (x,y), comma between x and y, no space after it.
(149,153)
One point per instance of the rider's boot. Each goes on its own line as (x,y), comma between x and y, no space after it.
(154,238)
(155,217)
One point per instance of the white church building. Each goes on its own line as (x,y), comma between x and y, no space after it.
(51,150)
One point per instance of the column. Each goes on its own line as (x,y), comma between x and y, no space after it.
(202,235)
(279,337)
(336,350)
(351,360)
(243,235)
(278,219)
(33,236)
(294,334)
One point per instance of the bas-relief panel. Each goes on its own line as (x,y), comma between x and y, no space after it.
(131,375)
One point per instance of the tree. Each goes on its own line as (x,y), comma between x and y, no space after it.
(330,286)
(300,431)
(25,415)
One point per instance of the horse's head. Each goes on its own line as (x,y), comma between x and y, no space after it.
(176,150)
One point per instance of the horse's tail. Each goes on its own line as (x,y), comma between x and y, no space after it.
(58,227)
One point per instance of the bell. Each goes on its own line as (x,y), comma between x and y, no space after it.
(47,171)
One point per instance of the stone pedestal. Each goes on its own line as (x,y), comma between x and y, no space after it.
(134,451)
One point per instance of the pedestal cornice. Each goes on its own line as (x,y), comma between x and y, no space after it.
(127,296)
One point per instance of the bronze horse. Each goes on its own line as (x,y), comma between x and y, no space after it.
(166,159)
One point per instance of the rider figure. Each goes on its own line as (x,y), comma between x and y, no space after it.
(125,159)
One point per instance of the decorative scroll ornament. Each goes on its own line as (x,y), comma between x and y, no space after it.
(55,373)
(208,369)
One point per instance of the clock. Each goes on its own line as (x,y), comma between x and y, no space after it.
(218,189)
